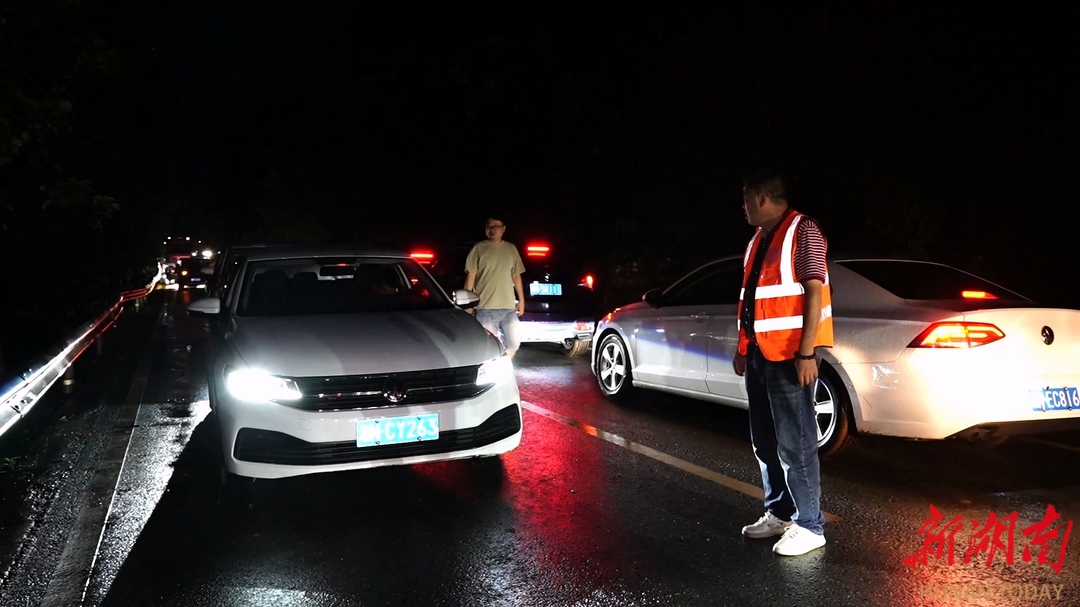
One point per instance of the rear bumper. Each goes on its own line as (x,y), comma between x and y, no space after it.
(555,332)
(931,395)
(989,431)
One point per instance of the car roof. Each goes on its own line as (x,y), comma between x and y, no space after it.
(849,256)
(341,250)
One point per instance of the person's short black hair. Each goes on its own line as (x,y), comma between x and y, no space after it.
(768,181)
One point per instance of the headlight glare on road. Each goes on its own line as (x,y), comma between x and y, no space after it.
(495,371)
(256,386)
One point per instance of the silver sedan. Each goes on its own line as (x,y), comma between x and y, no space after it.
(922,350)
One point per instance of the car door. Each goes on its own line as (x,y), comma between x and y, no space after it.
(723,333)
(226,291)
(672,341)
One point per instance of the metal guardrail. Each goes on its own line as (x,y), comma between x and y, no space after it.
(19,394)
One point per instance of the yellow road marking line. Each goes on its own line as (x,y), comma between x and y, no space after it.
(700,471)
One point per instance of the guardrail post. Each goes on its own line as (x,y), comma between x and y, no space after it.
(69,380)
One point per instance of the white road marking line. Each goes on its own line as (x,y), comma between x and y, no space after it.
(700,471)
(74,572)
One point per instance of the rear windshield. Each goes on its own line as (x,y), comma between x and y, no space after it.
(294,287)
(924,280)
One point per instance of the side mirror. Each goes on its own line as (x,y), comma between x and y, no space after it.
(207,306)
(653,297)
(463,298)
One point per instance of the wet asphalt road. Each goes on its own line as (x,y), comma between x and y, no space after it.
(110,497)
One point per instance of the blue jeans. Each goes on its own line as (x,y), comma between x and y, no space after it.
(783,430)
(503,323)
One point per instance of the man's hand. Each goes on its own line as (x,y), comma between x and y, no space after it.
(521,307)
(807,371)
(739,363)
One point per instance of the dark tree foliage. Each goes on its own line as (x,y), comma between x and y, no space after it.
(935,131)
(73,91)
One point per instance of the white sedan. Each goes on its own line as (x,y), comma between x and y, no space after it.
(338,358)
(922,350)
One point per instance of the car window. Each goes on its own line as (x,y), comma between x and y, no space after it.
(295,287)
(715,284)
(925,280)
(225,275)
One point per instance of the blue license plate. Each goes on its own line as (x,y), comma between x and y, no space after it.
(545,288)
(396,430)
(1056,399)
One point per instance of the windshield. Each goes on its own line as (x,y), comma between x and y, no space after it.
(924,280)
(294,287)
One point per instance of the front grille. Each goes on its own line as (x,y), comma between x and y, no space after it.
(266,447)
(346,392)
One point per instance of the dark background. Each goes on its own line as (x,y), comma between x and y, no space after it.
(621,135)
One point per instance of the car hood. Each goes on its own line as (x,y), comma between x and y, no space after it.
(352,344)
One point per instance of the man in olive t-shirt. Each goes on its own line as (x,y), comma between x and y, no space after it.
(493,270)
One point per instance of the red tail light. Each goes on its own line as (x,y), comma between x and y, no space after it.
(588,281)
(537,250)
(977,295)
(424,257)
(957,335)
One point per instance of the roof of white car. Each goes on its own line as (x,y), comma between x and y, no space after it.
(301,251)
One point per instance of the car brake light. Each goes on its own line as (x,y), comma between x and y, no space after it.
(424,257)
(537,250)
(587,281)
(977,295)
(957,335)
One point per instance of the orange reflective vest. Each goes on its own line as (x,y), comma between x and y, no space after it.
(778,300)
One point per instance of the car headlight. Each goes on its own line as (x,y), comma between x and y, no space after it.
(257,386)
(494,371)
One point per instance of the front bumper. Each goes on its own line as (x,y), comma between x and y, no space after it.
(268,440)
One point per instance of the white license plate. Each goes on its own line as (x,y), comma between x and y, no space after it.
(396,430)
(1056,399)
(545,288)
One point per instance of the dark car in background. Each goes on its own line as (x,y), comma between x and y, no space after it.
(562,304)
(193,272)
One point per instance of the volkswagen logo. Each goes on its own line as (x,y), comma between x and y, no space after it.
(1047,335)
(394,390)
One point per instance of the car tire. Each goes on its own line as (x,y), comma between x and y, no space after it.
(488,469)
(228,481)
(613,371)
(576,347)
(836,426)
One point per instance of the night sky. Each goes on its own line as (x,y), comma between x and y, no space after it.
(945,130)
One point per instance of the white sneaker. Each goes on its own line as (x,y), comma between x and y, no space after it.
(766,526)
(798,540)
